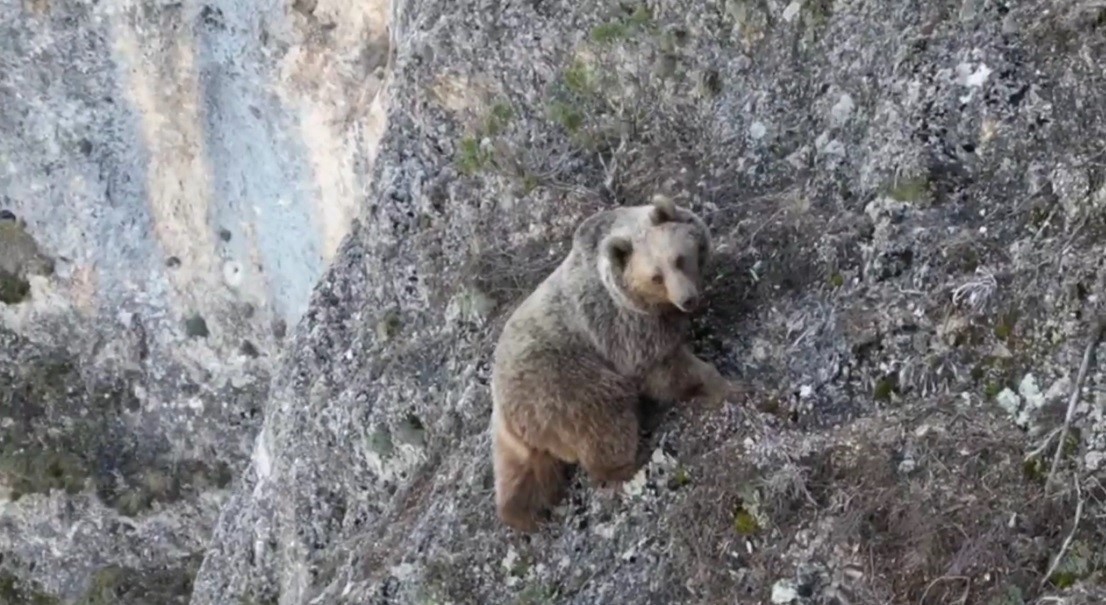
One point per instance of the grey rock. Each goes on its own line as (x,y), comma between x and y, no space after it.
(166,195)
(877,342)
(948,131)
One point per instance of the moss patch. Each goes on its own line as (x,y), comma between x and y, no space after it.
(679,479)
(633,20)
(886,388)
(388,326)
(744,523)
(14,591)
(472,157)
(380,441)
(1004,326)
(13,289)
(196,327)
(21,257)
(909,189)
(116,585)
(66,433)
(411,431)
(142,489)
(1079,562)
(537,595)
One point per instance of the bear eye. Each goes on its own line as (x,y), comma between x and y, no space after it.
(680,263)
(658,279)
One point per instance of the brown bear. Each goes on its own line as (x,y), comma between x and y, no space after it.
(609,325)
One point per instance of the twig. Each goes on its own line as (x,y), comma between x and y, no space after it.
(1043,445)
(611,170)
(967,591)
(753,235)
(1071,535)
(922,600)
(1087,354)
(1046,223)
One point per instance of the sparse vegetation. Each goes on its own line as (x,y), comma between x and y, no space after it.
(498,119)
(115,585)
(907,189)
(472,157)
(13,289)
(21,258)
(14,591)
(744,523)
(907,530)
(631,21)
(85,453)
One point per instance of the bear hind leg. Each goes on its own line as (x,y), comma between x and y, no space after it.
(609,445)
(528,483)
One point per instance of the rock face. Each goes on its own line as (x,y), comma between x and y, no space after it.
(173,179)
(908,201)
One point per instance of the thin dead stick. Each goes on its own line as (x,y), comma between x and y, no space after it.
(1071,535)
(1040,449)
(1087,354)
(936,581)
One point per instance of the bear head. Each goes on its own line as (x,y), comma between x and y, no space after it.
(656,266)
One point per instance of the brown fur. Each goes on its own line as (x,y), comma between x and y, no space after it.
(607,326)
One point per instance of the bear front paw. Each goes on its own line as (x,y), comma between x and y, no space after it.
(723,392)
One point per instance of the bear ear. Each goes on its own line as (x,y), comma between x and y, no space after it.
(617,249)
(664,209)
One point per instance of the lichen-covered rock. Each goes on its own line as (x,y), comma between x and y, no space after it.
(903,195)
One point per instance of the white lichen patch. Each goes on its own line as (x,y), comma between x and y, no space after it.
(636,486)
(757,130)
(1094,460)
(792,11)
(784,591)
(262,459)
(972,78)
(403,571)
(1009,401)
(604,530)
(842,110)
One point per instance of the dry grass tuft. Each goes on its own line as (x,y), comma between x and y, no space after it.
(936,510)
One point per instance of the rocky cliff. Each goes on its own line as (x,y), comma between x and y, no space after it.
(908,199)
(174,177)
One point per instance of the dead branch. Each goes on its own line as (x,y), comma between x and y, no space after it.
(1096,336)
(1071,535)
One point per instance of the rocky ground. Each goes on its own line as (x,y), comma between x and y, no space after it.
(908,201)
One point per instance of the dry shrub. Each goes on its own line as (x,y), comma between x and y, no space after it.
(509,274)
(947,515)
(707,552)
(965,523)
